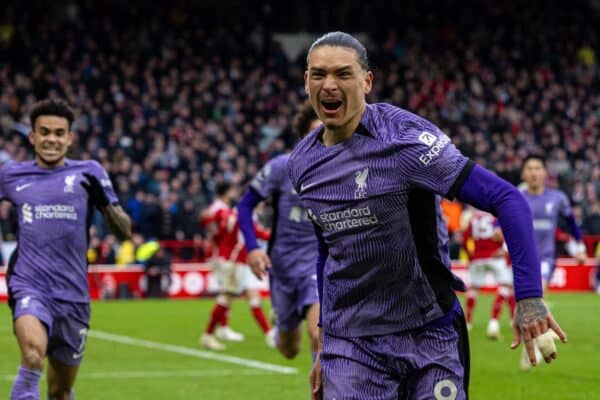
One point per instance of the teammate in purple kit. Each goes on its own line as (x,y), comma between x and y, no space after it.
(371,179)
(47,273)
(292,250)
(547,205)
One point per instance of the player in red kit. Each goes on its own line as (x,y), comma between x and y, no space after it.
(488,255)
(229,266)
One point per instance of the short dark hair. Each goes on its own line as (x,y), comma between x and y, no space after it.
(304,117)
(222,188)
(53,107)
(538,157)
(342,39)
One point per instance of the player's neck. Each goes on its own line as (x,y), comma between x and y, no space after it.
(43,164)
(332,136)
(536,191)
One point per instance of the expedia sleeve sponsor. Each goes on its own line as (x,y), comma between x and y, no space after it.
(435,150)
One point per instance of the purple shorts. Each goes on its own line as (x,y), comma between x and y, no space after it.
(291,298)
(67,323)
(430,364)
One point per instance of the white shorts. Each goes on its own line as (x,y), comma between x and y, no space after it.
(479,269)
(234,277)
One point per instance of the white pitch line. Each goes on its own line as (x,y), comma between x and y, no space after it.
(281,369)
(157,374)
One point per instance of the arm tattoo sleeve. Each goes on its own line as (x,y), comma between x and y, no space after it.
(118,221)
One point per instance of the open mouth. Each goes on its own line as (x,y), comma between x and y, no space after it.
(50,152)
(331,105)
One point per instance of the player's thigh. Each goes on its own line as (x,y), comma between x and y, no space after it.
(503,273)
(246,279)
(284,300)
(32,337)
(61,377)
(229,277)
(67,342)
(351,371)
(477,274)
(445,373)
(33,320)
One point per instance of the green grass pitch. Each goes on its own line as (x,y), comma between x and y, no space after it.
(140,364)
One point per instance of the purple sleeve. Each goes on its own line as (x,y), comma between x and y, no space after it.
(322,257)
(245,207)
(567,213)
(268,180)
(430,159)
(99,172)
(488,192)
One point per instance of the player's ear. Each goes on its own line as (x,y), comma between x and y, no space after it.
(31,137)
(70,138)
(306,82)
(368,82)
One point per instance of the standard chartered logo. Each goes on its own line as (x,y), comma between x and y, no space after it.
(540,224)
(27,214)
(347,219)
(48,211)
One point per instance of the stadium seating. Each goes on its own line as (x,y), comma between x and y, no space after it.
(171,107)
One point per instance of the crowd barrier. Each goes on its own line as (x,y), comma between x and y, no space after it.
(189,280)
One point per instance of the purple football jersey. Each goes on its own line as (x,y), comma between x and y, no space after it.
(293,246)
(545,209)
(374,198)
(54,217)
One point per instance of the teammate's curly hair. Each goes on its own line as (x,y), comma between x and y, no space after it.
(303,118)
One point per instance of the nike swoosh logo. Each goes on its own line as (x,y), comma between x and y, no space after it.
(304,187)
(22,187)
(77,356)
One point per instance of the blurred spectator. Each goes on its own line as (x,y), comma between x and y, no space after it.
(186,221)
(172,107)
(591,223)
(126,255)
(157,270)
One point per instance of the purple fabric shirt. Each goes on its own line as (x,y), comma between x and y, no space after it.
(373,197)
(293,245)
(53,212)
(545,209)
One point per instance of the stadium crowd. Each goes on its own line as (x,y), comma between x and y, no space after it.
(171,107)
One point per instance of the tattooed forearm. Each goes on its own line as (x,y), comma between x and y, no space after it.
(530,310)
(118,221)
